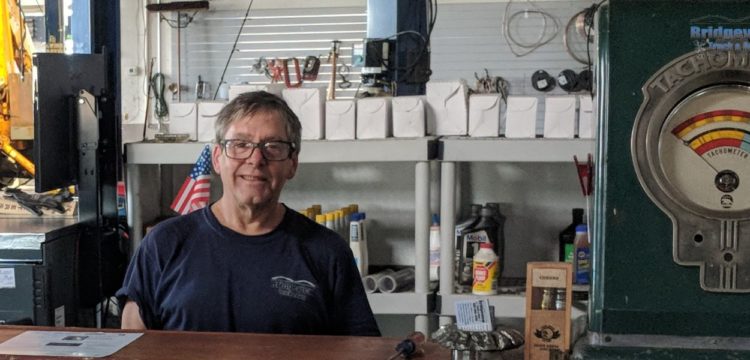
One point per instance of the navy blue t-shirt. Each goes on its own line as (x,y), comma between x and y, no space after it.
(192,273)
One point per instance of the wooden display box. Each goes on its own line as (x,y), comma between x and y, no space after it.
(548,293)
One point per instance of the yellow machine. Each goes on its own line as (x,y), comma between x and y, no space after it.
(15,78)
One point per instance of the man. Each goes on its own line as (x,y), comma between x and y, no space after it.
(248,263)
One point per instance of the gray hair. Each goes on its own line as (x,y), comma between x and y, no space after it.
(250,103)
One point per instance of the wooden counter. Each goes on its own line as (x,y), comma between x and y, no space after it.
(180,345)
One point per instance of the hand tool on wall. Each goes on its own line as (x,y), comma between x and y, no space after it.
(333,56)
(311,68)
(285,69)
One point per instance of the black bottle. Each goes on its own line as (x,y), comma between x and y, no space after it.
(484,231)
(567,237)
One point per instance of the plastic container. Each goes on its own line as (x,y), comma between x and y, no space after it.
(566,239)
(435,248)
(484,270)
(461,229)
(355,244)
(484,231)
(500,242)
(582,263)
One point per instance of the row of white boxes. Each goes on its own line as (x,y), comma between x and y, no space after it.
(446,109)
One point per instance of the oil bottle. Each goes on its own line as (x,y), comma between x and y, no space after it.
(461,229)
(484,231)
(567,236)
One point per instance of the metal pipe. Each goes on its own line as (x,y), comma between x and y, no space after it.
(422,227)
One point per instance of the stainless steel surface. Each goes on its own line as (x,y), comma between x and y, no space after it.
(37,225)
(28,233)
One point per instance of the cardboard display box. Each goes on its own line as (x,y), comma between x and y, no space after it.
(548,298)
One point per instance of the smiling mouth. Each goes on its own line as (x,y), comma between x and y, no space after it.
(252,178)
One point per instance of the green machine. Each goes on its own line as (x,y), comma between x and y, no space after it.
(671,265)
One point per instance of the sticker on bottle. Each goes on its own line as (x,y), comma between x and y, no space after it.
(7,278)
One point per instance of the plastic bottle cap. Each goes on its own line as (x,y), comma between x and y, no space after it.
(435,219)
(320,218)
(485,245)
(582,228)
(329,216)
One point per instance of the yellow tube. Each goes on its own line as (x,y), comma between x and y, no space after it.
(12,153)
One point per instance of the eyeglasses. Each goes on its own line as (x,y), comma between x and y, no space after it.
(271,150)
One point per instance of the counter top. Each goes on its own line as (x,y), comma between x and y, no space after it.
(179,345)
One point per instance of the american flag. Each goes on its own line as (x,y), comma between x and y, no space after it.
(195,191)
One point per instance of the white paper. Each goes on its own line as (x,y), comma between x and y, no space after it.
(7,278)
(473,315)
(237,89)
(447,108)
(60,316)
(308,105)
(586,123)
(484,115)
(183,119)
(340,115)
(208,112)
(560,117)
(408,116)
(374,118)
(67,343)
(520,117)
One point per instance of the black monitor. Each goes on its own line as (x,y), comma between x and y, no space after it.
(59,79)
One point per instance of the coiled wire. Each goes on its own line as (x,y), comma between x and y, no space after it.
(157,86)
(513,43)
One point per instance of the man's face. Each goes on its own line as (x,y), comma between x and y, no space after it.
(254,182)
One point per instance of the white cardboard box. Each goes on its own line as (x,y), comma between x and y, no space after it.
(408,116)
(374,118)
(586,123)
(484,114)
(560,117)
(520,117)
(237,89)
(183,119)
(340,119)
(208,111)
(308,104)
(447,108)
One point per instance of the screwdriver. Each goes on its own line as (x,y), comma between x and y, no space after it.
(409,346)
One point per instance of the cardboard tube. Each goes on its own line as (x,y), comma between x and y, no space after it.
(399,281)
(371,281)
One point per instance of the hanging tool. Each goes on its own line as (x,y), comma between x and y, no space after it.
(585,178)
(285,68)
(585,174)
(333,56)
(310,71)
(343,71)
(276,69)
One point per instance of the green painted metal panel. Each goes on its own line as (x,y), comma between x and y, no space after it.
(638,288)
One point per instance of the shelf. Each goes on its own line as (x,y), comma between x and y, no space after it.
(401,303)
(313,151)
(515,150)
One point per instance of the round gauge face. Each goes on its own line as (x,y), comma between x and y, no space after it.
(704,149)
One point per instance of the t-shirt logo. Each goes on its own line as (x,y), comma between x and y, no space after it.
(298,289)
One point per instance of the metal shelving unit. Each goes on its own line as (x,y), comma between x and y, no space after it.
(141,158)
(464,149)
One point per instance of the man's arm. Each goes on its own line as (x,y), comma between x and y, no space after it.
(131,317)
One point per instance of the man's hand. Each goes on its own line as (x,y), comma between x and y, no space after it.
(131,317)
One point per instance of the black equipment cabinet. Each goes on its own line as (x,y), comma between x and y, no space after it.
(38,266)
